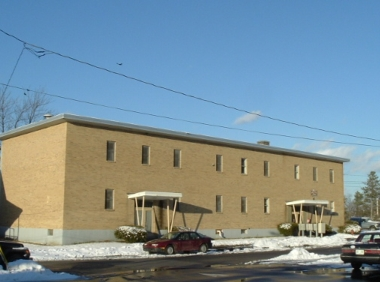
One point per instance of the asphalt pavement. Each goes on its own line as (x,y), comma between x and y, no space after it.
(221,267)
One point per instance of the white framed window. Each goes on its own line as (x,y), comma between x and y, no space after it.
(332,176)
(145,155)
(266,205)
(109,199)
(111,150)
(244,204)
(219,203)
(177,158)
(266,169)
(315,174)
(296,171)
(219,163)
(244,164)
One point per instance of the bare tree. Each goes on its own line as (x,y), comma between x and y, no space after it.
(350,206)
(6,110)
(15,112)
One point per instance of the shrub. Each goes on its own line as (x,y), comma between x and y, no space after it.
(131,234)
(350,227)
(329,229)
(288,229)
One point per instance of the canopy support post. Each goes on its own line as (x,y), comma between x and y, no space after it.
(137,212)
(173,215)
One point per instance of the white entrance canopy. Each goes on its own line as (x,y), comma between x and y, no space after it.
(320,227)
(308,203)
(153,195)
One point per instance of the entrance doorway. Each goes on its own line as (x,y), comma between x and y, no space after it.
(148,224)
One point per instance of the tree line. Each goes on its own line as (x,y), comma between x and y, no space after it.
(365,202)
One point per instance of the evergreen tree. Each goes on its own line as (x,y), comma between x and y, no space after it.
(371,193)
(359,204)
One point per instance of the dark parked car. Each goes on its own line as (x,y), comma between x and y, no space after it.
(179,242)
(14,250)
(365,249)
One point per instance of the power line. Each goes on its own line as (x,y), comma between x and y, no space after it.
(184,120)
(14,69)
(43,51)
(359,175)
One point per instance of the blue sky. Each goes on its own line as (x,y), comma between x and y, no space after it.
(312,63)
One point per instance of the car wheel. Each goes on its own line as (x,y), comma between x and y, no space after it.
(372,228)
(356,265)
(203,248)
(169,250)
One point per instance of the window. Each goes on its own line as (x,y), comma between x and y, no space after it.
(244,166)
(266,168)
(219,203)
(244,204)
(219,163)
(109,199)
(297,172)
(332,176)
(194,236)
(177,158)
(315,174)
(145,154)
(111,145)
(266,205)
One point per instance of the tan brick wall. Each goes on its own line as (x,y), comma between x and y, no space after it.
(33,174)
(89,174)
(36,164)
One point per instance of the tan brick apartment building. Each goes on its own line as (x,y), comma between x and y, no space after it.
(70,179)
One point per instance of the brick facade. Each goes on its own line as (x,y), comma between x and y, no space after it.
(55,175)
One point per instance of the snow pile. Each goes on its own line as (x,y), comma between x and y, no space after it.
(281,243)
(28,270)
(86,251)
(302,256)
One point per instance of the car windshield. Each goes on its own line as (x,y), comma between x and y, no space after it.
(171,235)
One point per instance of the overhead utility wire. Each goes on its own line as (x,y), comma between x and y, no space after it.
(13,71)
(184,120)
(47,52)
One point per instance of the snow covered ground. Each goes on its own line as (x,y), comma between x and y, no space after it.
(33,271)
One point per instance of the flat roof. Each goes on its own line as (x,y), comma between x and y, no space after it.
(128,127)
(308,203)
(152,195)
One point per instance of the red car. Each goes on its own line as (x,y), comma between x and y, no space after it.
(179,242)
